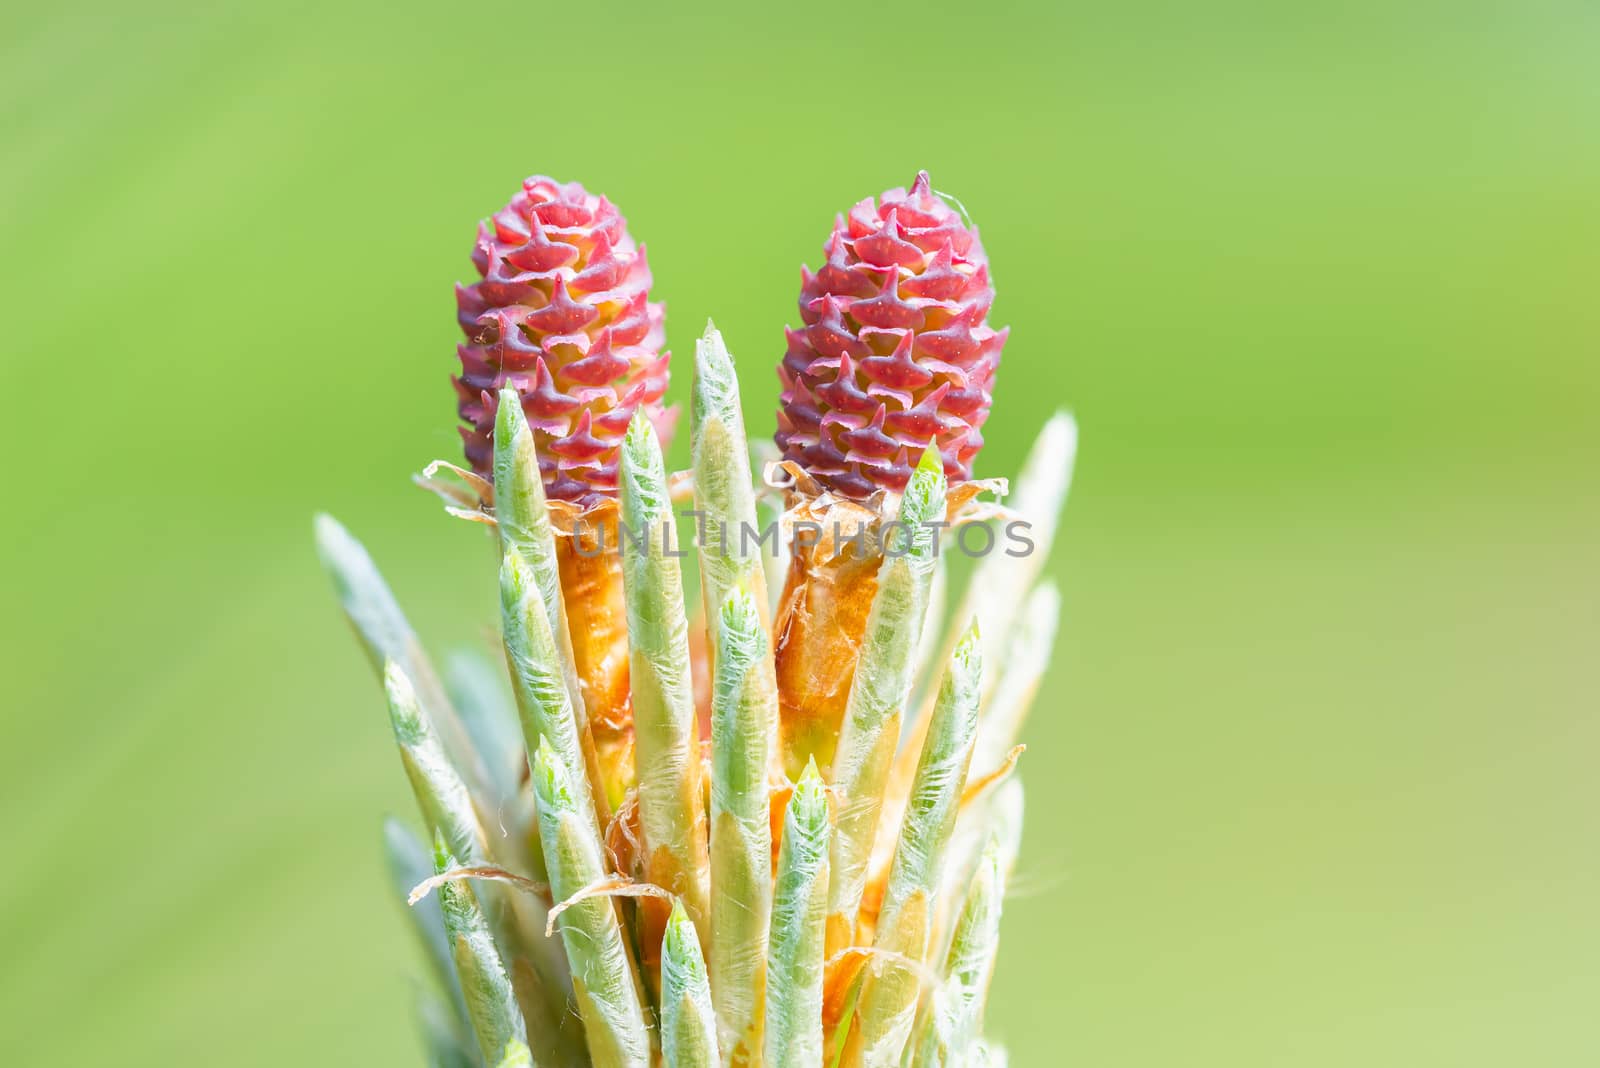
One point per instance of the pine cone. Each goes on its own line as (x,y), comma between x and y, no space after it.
(879,370)
(563,315)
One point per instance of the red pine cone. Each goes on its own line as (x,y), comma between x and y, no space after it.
(896,350)
(563,316)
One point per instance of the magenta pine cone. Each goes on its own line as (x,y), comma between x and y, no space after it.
(562,314)
(895,351)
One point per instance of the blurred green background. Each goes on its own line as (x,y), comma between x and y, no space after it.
(1314,782)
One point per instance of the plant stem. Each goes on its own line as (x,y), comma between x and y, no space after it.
(799,904)
(671,799)
(688,1023)
(491,1004)
(879,691)
(891,983)
(602,976)
(744,712)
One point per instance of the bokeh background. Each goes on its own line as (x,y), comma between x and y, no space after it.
(1314,780)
